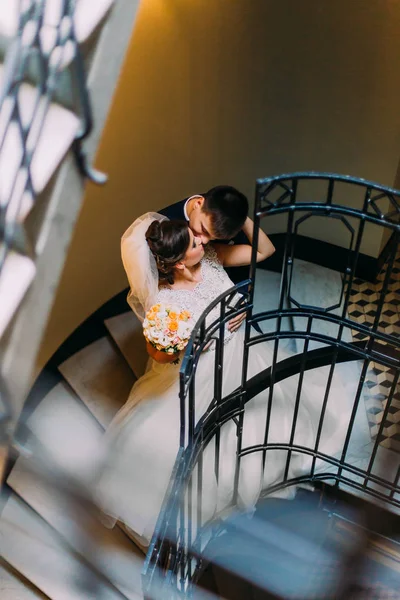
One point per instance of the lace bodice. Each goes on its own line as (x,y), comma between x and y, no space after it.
(214,282)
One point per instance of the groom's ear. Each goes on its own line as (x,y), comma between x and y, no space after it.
(199,202)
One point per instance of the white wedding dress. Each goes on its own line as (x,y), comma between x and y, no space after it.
(142,442)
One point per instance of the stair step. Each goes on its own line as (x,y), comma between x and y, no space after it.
(17,274)
(297,548)
(313,285)
(87,17)
(117,556)
(275,550)
(100,377)
(67,431)
(59,129)
(13,587)
(32,548)
(266,297)
(126,330)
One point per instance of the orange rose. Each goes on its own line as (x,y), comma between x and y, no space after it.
(173,326)
(173,315)
(152,313)
(184,315)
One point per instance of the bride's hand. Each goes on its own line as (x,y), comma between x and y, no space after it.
(160,357)
(236,322)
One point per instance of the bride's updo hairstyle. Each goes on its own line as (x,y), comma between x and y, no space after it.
(168,242)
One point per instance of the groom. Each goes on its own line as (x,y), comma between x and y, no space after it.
(219,214)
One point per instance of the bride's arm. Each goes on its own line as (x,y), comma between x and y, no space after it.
(240,254)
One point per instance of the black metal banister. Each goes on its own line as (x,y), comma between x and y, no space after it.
(338,177)
(321,357)
(317,209)
(359,327)
(280,195)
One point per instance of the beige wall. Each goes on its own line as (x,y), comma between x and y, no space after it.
(225,91)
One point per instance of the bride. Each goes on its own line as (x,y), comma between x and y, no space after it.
(166,263)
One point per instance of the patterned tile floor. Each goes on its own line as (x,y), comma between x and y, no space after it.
(379,379)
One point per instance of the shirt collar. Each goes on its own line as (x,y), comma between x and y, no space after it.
(186,204)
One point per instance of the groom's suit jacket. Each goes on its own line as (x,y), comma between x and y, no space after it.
(237,274)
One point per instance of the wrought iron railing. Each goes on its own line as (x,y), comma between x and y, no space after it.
(46,60)
(30,58)
(175,555)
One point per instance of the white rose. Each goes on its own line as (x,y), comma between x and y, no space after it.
(164,341)
(184,330)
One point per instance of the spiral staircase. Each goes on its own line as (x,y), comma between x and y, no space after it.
(285,549)
(340,536)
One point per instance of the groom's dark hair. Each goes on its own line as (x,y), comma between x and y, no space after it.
(228,209)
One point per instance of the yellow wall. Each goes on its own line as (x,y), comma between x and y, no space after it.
(225,91)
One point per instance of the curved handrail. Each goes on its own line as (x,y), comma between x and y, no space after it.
(264,187)
(317,314)
(326,175)
(318,358)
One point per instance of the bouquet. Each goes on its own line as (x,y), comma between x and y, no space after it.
(167,330)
